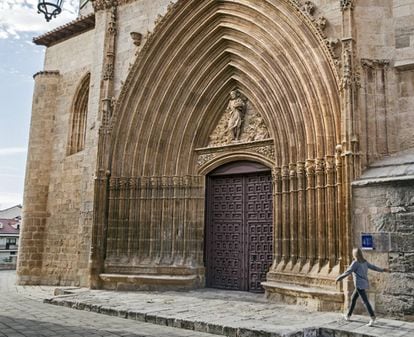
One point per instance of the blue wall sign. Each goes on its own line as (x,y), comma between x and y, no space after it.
(367,241)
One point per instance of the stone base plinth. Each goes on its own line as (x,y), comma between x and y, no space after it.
(28,280)
(151,282)
(311,297)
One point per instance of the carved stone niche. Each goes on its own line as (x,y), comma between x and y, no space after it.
(240,123)
(240,129)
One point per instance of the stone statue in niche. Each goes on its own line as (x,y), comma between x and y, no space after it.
(236,110)
(240,123)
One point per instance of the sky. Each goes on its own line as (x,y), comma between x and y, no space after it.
(20,59)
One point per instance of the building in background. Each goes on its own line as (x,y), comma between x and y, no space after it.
(233,144)
(10,220)
(14,212)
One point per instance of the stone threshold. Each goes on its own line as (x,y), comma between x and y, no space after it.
(231,328)
(131,282)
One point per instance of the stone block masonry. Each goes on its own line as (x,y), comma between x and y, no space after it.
(332,83)
(387,208)
(37,178)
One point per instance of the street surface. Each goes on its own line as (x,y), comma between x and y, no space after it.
(156,314)
(23,314)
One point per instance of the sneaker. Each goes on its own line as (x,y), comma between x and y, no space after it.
(371,321)
(347,317)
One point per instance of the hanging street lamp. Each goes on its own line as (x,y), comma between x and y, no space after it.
(50,8)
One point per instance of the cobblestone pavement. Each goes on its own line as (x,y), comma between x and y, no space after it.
(236,314)
(23,313)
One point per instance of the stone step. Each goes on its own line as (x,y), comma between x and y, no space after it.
(127,282)
(226,313)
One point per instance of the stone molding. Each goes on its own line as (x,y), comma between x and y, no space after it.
(209,154)
(375,63)
(383,180)
(47,73)
(403,65)
(99,5)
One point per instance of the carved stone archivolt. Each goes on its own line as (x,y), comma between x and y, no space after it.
(171,95)
(240,123)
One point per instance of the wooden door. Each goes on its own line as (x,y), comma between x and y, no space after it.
(239,230)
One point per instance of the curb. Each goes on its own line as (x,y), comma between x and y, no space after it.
(196,325)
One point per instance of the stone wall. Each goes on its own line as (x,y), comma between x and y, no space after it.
(69,180)
(403,81)
(384,207)
(37,180)
(134,18)
(65,248)
(382,197)
(59,193)
(385,43)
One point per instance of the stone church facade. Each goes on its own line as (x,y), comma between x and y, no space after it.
(233,144)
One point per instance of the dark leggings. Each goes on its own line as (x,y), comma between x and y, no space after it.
(360,292)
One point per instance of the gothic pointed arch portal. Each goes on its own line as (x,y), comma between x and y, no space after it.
(150,212)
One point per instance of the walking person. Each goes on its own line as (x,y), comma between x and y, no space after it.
(359,270)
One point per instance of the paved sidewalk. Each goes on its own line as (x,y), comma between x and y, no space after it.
(228,313)
(23,314)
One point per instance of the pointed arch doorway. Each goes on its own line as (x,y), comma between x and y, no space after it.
(239,226)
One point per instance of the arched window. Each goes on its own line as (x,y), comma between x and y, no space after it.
(78,120)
